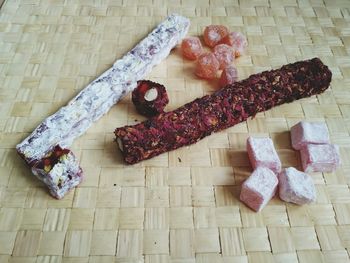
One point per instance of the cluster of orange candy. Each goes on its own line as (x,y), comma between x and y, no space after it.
(226,47)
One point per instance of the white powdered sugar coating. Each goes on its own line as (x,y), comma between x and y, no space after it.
(296,187)
(72,120)
(304,133)
(261,152)
(320,157)
(99,96)
(259,188)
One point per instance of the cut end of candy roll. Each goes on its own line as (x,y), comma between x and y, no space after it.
(59,170)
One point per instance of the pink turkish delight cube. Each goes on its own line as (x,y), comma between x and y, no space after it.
(320,157)
(261,152)
(296,187)
(259,188)
(304,133)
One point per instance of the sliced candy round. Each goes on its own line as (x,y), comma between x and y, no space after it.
(228,76)
(207,66)
(224,54)
(149,98)
(191,48)
(237,40)
(213,34)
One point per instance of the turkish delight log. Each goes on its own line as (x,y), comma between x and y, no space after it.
(58,131)
(224,108)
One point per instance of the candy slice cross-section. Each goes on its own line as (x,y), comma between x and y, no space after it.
(149,98)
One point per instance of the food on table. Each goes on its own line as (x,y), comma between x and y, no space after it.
(296,187)
(320,157)
(72,120)
(191,48)
(262,153)
(259,188)
(236,40)
(224,108)
(224,54)
(213,34)
(304,133)
(207,66)
(149,98)
(228,76)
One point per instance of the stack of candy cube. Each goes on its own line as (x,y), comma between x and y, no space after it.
(317,154)
(226,47)
(294,186)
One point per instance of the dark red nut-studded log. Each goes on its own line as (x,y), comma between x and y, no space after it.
(225,108)
(149,98)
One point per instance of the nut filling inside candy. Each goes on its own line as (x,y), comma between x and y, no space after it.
(120,144)
(151,94)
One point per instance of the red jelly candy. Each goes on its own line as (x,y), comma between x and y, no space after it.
(213,34)
(228,76)
(191,48)
(237,40)
(224,54)
(207,66)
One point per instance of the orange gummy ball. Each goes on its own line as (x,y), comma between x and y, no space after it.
(207,66)
(191,48)
(224,54)
(237,40)
(213,34)
(228,76)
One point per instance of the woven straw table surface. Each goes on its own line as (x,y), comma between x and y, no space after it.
(181,206)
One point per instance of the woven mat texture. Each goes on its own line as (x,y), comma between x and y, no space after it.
(181,206)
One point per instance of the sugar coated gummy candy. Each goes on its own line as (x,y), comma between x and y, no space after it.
(304,133)
(320,157)
(237,40)
(213,34)
(207,66)
(296,187)
(228,76)
(224,54)
(191,48)
(261,152)
(259,188)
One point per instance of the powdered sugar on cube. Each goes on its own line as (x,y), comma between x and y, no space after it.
(296,187)
(320,157)
(259,188)
(309,132)
(261,152)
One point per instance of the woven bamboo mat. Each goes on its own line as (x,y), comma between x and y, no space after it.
(182,206)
